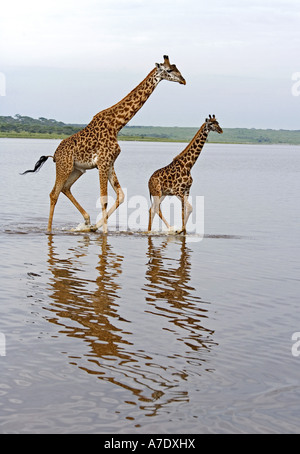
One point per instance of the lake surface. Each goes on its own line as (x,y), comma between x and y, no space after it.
(136,333)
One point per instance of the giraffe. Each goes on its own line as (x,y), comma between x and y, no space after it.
(175,178)
(96,146)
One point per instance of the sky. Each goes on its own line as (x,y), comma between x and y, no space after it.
(69,59)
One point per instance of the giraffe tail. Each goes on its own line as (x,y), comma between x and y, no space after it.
(38,165)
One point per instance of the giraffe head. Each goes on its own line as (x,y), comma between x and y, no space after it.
(212,125)
(166,71)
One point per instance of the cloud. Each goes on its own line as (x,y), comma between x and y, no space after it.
(112,44)
(230,36)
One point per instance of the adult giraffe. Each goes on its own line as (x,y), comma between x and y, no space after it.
(96,146)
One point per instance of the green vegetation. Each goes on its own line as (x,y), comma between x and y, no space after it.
(230,135)
(43,128)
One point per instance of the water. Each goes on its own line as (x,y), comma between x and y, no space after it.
(131,333)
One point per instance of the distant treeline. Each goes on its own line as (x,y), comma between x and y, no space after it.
(22,126)
(230,135)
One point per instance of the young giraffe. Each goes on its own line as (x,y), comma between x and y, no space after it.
(175,178)
(96,146)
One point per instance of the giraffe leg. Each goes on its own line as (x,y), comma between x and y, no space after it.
(186,209)
(161,215)
(112,177)
(153,210)
(63,171)
(103,200)
(67,191)
(188,212)
(103,175)
(54,194)
(183,229)
(156,209)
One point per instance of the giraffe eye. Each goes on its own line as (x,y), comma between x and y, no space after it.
(169,71)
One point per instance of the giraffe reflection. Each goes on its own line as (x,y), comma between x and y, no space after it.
(171,296)
(90,304)
(89,310)
(123,346)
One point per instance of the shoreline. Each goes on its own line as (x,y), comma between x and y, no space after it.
(48,136)
(42,128)
(25,127)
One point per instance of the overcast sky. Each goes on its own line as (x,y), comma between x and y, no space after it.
(69,59)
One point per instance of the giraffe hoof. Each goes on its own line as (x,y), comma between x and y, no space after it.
(172,231)
(178,231)
(83,228)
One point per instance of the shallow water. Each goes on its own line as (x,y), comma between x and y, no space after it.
(137,333)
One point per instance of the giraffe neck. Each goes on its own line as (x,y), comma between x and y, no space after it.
(194,148)
(122,112)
